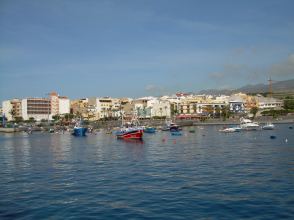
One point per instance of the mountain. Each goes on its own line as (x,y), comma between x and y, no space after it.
(277,87)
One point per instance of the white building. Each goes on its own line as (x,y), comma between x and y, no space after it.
(6,109)
(12,109)
(159,108)
(36,108)
(64,105)
(269,103)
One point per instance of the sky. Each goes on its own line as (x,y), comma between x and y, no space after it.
(122,48)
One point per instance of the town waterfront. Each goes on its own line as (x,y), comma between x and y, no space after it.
(201,175)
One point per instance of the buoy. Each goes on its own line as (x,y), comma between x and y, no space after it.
(273,137)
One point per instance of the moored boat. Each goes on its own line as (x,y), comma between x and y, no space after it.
(170,126)
(79,130)
(176,133)
(248,125)
(130,133)
(268,126)
(150,130)
(130,130)
(230,130)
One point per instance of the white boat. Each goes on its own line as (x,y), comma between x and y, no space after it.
(247,124)
(230,130)
(268,126)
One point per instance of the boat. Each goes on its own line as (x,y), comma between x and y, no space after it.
(174,127)
(150,130)
(176,133)
(248,125)
(79,130)
(230,130)
(192,131)
(130,130)
(268,126)
(170,126)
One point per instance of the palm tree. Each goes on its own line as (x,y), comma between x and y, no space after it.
(13,113)
(254,111)
(225,112)
(217,111)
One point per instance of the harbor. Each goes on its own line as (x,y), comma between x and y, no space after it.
(158,177)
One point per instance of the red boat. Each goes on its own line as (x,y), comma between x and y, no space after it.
(130,130)
(130,133)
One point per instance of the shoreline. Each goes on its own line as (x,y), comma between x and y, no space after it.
(109,125)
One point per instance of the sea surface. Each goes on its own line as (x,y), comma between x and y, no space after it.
(201,175)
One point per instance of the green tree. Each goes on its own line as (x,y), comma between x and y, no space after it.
(18,119)
(254,111)
(68,116)
(56,117)
(217,111)
(208,109)
(289,102)
(13,113)
(32,119)
(225,112)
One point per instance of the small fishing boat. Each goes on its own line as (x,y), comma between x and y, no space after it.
(150,130)
(248,125)
(170,126)
(176,133)
(230,130)
(130,130)
(268,126)
(79,130)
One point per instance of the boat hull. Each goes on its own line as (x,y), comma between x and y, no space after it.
(131,134)
(150,130)
(268,127)
(176,133)
(79,132)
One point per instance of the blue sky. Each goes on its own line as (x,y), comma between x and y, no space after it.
(136,48)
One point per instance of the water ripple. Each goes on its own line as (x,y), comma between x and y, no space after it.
(206,175)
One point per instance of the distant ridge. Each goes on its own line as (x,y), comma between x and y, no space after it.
(277,87)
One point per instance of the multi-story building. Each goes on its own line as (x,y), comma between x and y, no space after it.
(12,109)
(64,105)
(268,103)
(79,107)
(36,108)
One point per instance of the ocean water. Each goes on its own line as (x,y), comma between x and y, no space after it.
(201,175)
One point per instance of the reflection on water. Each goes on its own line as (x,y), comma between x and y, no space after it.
(206,174)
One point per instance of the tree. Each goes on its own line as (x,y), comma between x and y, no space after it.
(13,113)
(208,109)
(217,111)
(32,119)
(225,112)
(18,119)
(56,117)
(289,102)
(68,116)
(254,111)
